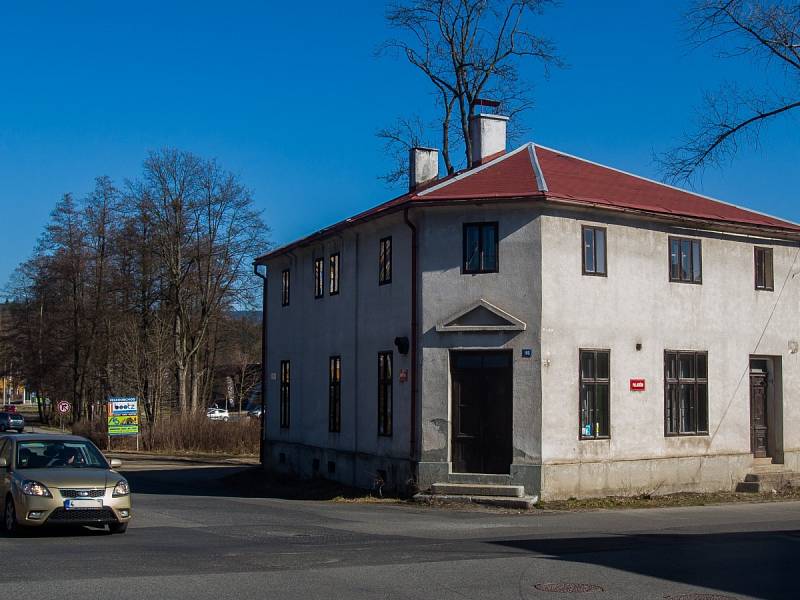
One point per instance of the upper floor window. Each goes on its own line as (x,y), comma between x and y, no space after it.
(333,274)
(480,248)
(594,250)
(385,261)
(319,277)
(285,279)
(685,260)
(763,264)
(285,393)
(594,400)
(685,393)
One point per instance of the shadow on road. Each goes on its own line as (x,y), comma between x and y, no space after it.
(758,564)
(234,482)
(59,531)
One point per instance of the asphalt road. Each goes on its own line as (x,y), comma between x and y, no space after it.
(193,538)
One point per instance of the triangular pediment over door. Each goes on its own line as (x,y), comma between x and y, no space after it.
(481,316)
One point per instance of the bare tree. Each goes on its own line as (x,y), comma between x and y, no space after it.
(399,138)
(468,50)
(206,233)
(767,32)
(125,292)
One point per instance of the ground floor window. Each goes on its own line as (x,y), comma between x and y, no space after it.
(685,392)
(594,394)
(335,394)
(384,393)
(285,393)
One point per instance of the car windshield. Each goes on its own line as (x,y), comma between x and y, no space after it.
(59,454)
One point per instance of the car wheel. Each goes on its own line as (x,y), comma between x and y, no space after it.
(10,517)
(225,419)
(117,527)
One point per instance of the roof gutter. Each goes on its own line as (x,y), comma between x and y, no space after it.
(262,436)
(696,222)
(754,229)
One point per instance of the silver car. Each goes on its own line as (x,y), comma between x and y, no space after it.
(60,480)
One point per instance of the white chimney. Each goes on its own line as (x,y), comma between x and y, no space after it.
(423,167)
(487,136)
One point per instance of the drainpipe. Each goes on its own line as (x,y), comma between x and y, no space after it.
(264,370)
(413,430)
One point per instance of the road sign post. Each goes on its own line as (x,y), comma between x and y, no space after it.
(63,408)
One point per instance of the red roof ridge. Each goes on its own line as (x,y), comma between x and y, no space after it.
(666,185)
(469,172)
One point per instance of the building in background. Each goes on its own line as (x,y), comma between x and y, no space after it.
(12,385)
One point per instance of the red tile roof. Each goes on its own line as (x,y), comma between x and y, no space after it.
(536,172)
(576,179)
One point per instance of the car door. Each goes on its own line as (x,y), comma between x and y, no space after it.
(6,447)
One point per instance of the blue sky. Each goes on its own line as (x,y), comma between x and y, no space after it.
(290,95)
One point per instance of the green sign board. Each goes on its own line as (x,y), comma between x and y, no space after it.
(123,416)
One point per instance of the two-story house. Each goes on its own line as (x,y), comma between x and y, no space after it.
(540,320)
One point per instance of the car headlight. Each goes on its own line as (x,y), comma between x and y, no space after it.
(121,489)
(34,488)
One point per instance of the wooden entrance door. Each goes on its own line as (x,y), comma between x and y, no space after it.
(482,412)
(758,415)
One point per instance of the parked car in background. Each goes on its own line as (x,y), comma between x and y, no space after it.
(9,408)
(218,414)
(11,420)
(255,412)
(60,480)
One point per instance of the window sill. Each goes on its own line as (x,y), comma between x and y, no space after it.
(687,282)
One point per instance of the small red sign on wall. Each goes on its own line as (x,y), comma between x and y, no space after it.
(637,385)
(403,375)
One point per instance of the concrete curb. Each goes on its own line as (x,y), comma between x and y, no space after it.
(523,503)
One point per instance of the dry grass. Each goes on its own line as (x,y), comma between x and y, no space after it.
(181,435)
(668,500)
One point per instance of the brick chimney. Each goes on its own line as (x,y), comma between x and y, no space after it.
(423,167)
(487,136)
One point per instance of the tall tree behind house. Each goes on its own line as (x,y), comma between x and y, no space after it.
(468,50)
(125,288)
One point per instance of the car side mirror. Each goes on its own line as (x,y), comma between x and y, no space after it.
(115,462)
(3,463)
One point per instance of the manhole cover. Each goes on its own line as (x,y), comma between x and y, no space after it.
(568,588)
(699,597)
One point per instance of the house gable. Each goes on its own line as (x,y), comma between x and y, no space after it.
(481,316)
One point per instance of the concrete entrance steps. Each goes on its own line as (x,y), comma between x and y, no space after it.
(764,476)
(504,496)
(482,478)
(478,489)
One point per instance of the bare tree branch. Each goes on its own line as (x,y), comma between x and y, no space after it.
(765,30)
(468,49)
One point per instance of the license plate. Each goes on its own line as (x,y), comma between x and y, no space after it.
(83,503)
